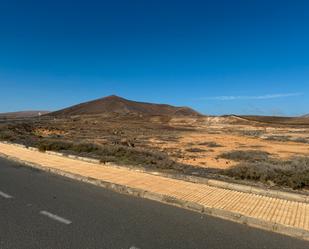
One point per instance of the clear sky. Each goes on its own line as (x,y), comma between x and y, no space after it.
(219,57)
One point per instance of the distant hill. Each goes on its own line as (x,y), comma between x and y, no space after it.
(305,116)
(21,114)
(114,104)
(277,120)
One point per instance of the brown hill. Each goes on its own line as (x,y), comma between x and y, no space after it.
(21,114)
(276,120)
(117,105)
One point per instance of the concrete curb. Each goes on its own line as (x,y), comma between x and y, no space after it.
(195,179)
(220,213)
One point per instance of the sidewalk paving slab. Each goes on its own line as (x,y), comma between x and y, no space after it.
(275,214)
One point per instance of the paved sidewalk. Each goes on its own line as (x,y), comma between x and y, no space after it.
(285,216)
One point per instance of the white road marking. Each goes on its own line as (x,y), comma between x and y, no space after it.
(133,247)
(6,196)
(56,217)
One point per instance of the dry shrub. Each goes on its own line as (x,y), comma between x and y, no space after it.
(252,133)
(113,153)
(279,138)
(195,150)
(301,140)
(211,144)
(293,173)
(45,145)
(245,155)
(6,135)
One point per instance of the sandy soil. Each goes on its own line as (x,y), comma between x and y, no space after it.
(192,147)
(197,141)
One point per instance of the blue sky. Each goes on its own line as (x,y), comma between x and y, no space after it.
(219,57)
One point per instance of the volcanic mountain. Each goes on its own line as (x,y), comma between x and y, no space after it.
(117,105)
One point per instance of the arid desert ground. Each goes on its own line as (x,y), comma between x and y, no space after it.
(272,151)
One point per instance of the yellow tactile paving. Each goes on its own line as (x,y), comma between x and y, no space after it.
(277,215)
(258,210)
(241,203)
(280,211)
(249,203)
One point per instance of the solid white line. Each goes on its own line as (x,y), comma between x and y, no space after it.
(56,217)
(6,196)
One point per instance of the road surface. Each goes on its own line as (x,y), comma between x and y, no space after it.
(41,210)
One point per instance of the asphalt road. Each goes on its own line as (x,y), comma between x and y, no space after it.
(41,210)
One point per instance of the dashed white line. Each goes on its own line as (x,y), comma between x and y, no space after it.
(5,195)
(56,217)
